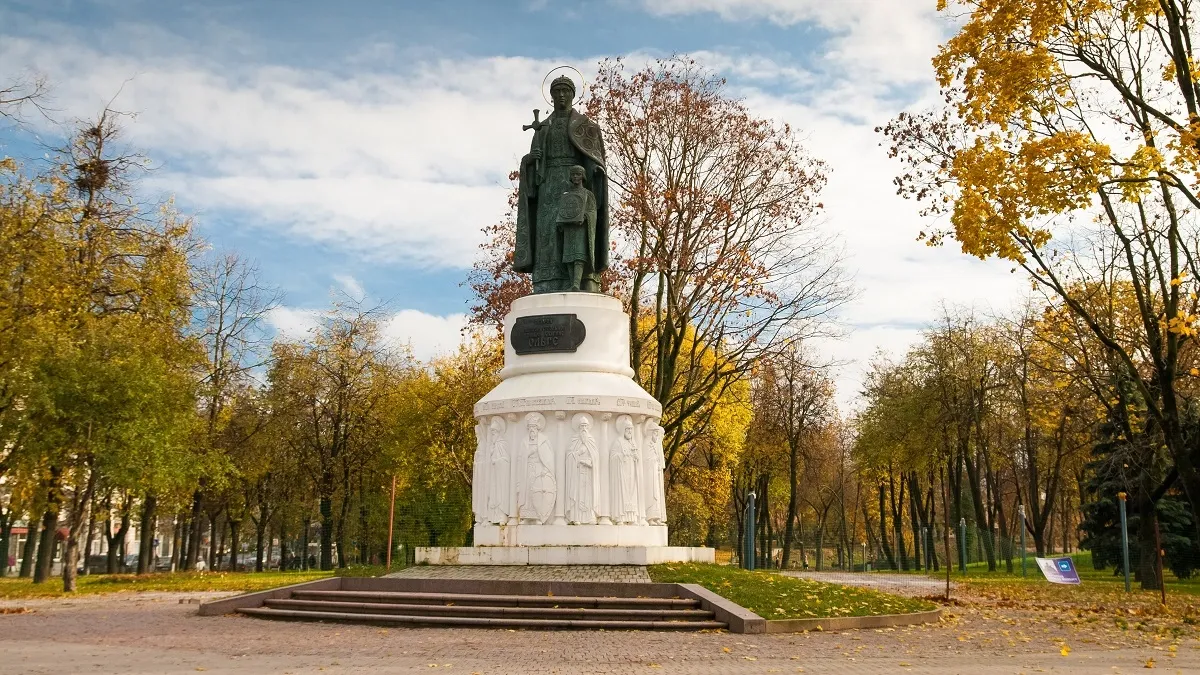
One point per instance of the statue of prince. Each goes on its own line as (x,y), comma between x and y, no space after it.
(563,246)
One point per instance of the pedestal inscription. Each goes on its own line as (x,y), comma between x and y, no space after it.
(547,334)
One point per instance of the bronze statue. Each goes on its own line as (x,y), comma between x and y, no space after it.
(562,219)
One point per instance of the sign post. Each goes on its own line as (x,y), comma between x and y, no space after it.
(1059,570)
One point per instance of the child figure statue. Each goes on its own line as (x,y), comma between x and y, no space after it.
(577,229)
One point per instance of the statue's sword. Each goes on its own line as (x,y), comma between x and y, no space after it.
(536,126)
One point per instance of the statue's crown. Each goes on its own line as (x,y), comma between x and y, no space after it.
(563,81)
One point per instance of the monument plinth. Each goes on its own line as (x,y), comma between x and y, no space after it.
(569,462)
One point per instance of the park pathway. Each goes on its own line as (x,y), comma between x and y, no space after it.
(913,585)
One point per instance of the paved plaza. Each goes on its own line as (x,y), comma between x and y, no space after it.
(156,633)
(606,573)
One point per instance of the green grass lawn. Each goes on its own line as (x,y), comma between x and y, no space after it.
(774,596)
(15,588)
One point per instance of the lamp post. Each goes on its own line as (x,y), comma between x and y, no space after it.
(391,521)
(1021,513)
(1124,538)
(962,545)
(748,557)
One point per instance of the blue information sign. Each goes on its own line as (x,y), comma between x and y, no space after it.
(1058,570)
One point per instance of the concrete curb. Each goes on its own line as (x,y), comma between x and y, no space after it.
(738,618)
(853,622)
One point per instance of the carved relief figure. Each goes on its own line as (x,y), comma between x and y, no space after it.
(499,472)
(479,484)
(583,476)
(623,462)
(537,487)
(656,493)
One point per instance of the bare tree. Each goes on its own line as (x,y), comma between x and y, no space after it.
(231,306)
(717,211)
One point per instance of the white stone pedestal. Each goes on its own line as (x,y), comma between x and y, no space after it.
(569,462)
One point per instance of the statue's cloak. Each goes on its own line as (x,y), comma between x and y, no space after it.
(588,142)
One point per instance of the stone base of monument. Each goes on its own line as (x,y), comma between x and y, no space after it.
(562,555)
(569,463)
(487,534)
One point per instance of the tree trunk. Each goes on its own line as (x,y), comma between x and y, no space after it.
(145,564)
(821,545)
(283,547)
(221,546)
(260,528)
(116,542)
(915,521)
(304,544)
(177,544)
(46,546)
(793,501)
(981,521)
(235,544)
(214,521)
(326,533)
(197,522)
(91,536)
(883,529)
(28,555)
(45,559)
(6,525)
(79,501)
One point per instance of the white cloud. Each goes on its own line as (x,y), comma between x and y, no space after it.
(351,286)
(292,323)
(885,40)
(400,166)
(427,334)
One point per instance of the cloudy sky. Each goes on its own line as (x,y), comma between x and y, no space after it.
(358,146)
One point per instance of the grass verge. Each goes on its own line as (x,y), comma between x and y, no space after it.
(774,596)
(1105,579)
(177,582)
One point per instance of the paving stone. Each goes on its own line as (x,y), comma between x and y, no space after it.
(606,573)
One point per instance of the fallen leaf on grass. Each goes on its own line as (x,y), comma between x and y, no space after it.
(1065,651)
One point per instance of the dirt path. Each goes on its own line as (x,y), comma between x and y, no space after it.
(155,633)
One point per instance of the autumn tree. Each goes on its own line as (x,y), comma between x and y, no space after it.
(329,393)
(793,403)
(231,303)
(716,215)
(1068,146)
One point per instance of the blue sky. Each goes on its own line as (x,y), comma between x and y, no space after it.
(360,145)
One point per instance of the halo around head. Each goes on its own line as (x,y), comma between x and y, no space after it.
(579,81)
